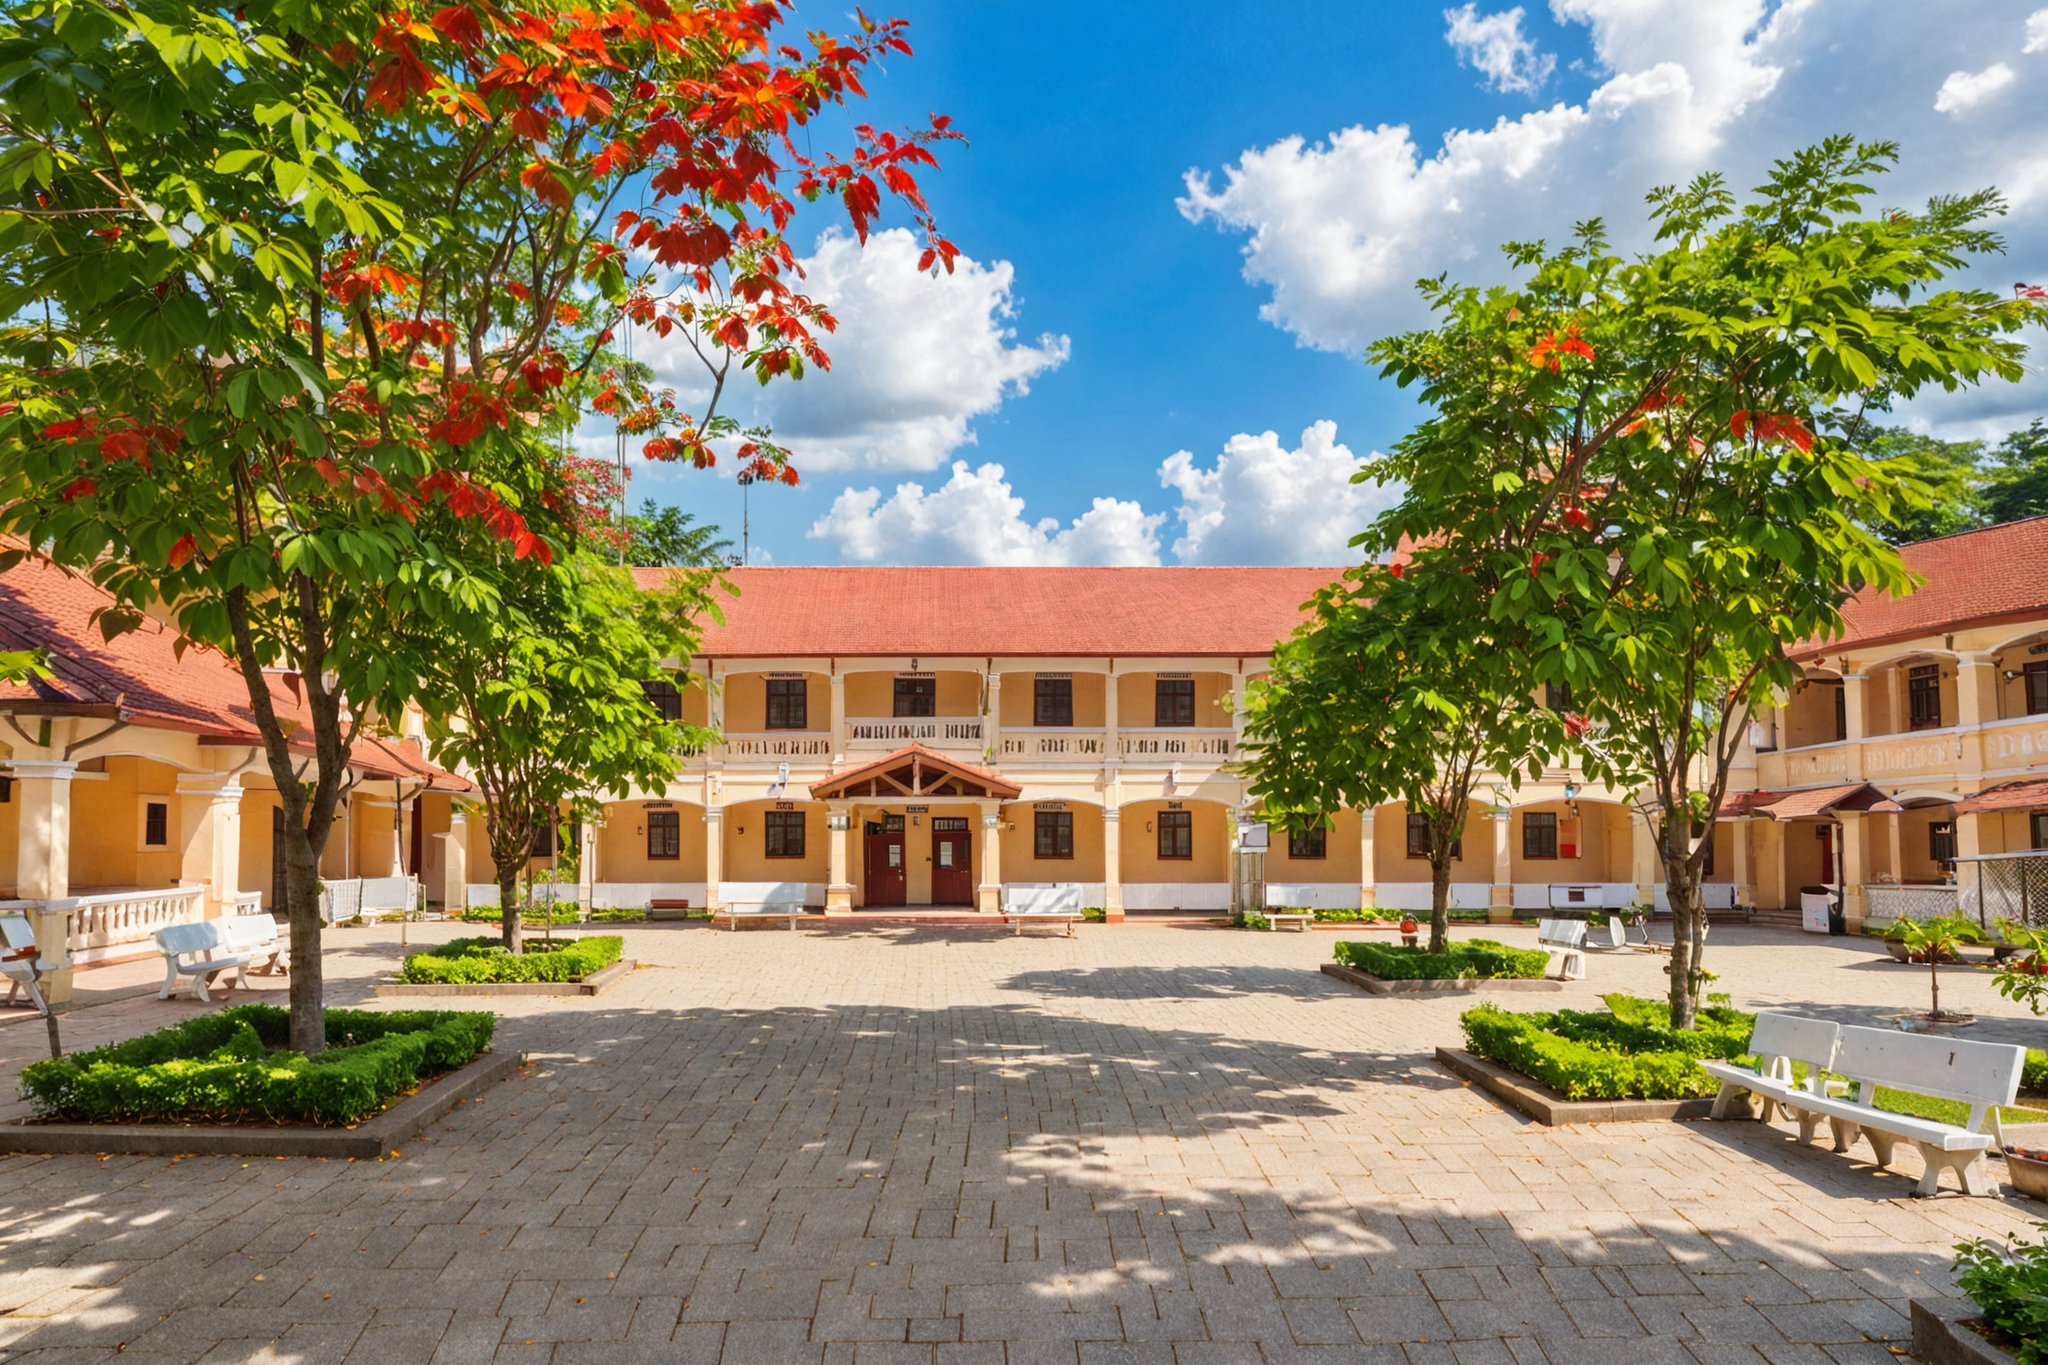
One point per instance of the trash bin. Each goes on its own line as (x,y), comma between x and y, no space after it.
(1817,912)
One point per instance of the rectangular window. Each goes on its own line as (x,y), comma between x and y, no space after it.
(1941,843)
(1558,697)
(544,838)
(1923,697)
(1841,712)
(1052,701)
(1308,843)
(917,697)
(1418,837)
(1053,833)
(1176,834)
(2039,821)
(665,698)
(1539,834)
(1173,701)
(664,834)
(2034,683)
(789,703)
(156,824)
(785,833)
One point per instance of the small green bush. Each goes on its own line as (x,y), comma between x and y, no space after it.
(1629,1053)
(624,914)
(1252,919)
(1094,914)
(2034,1073)
(1347,914)
(563,912)
(1468,958)
(2011,1285)
(231,1067)
(474,961)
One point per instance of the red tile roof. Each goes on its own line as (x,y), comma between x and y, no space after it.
(2029,793)
(950,611)
(139,677)
(1851,796)
(843,781)
(1974,576)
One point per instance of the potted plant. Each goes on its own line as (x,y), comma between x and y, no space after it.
(1935,941)
(1409,930)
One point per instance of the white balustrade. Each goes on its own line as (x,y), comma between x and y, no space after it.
(782,745)
(1888,902)
(1052,742)
(1175,742)
(114,923)
(893,732)
(248,902)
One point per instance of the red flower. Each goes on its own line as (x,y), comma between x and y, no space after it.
(80,488)
(1552,349)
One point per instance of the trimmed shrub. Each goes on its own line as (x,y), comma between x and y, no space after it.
(231,1067)
(1629,1053)
(1093,914)
(1470,958)
(1352,915)
(2034,1075)
(1252,919)
(563,912)
(624,914)
(476,961)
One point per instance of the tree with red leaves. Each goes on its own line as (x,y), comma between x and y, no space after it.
(308,286)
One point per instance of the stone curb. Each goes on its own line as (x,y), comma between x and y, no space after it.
(1946,1341)
(1380,985)
(597,983)
(1544,1105)
(371,1139)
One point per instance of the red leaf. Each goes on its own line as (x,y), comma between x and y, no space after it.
(182,551)
(458,24)
(80,488)
(123,445)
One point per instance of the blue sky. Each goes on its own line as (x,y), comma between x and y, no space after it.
(1114,316)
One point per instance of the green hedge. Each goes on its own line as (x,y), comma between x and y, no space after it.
(624,914)
(231,1067)
(471,961)
(2034,1075)
(1629,1053)
(564,912)
(1472,957)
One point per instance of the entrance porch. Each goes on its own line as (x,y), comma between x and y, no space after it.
(914,827)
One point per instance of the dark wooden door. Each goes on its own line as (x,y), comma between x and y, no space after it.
(1827,854)
(952,864)
(886,882)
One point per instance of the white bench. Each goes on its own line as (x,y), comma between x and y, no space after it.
(1564,939)
(196,953)
(759,900)
(1981,1075)
(1049,904)
(20,962)
(1298,920)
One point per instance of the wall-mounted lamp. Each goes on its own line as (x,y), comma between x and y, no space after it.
(1148,826)
(743,829)
(991,822)
(2010,674)
(916,821)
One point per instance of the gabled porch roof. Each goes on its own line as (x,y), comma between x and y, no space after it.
(1805,805)
(915,772)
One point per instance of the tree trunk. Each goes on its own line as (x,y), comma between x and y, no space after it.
(1439,900)
(1934,978)
(509,928)
(1688,936)
(302,916)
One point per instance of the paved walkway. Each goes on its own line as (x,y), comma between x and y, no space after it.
(955,1147)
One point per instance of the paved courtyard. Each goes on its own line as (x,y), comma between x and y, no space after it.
(952,1147)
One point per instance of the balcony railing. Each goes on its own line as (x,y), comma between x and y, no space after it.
(893,732)
(117,923)
(1051,742)
(779,744)
(1176,742)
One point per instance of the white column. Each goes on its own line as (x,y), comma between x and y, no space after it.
(838,681)
(1367,873)
(1643,861)
(1502,901)
(992,715)
(1855,869)
(988,896)
(1969,843)
(1111,748)
(1237,712)
(1738,871)
(586,866)
(839,857)
(1855,720)
(210,818)
(455,861)
(714,855)
(1112,864)
(42,867)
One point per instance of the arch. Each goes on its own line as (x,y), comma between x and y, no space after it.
(1086,835)
(2033,634)
(1150,844)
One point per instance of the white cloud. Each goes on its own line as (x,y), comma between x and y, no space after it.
(1258,503)
(975,518)
(1965,90)
(916,360)
(2037,32)
(1336,231)
(1495,46)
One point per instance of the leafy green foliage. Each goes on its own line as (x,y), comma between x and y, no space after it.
(1949,478)
(1631,1052)
(561,912)
(1469,958)
(469,961)
(662,536)
(2023,976)
(2010,1283)
(619,914)
(229,1067)
(1653,470)
(2016,481)
(1934,941)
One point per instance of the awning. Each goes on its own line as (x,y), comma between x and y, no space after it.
(1737,804)
(1818,801)
(2029,793)
(916,771)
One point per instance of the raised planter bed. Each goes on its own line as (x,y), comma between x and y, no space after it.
(597,983)
(1380,985)
(1545,1105)
(1943,1340)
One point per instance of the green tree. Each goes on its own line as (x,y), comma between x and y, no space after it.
(282,282)
(1950,478)
(665,536)
(2017,482)
(544,704)
(1652,466)
(1395,690)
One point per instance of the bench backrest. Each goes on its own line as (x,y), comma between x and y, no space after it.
(16,932)
(198,937)
(1979,1074)
(1782,1039)
(1566,933)
(247,931)
(1025,900)
(762,893)
(389,893)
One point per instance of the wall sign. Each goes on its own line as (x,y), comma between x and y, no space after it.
(657,805)
(1173,675)
(1048,805)
(1174,805)
(785,805)
(917,810)
(785,675)
(1055,676)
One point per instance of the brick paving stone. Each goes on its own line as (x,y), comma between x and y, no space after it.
(952,1147)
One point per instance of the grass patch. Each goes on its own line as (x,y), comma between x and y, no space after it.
(1479,958)
(563,912)
(477,961)
(234,1067)
(624,914)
